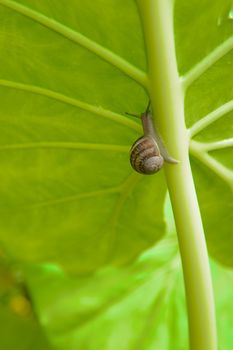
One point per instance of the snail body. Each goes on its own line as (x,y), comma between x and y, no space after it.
(147,155)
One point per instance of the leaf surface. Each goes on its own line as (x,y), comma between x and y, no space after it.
(204,40)
(67,76)
(140,307)
(19,326)
(68,194)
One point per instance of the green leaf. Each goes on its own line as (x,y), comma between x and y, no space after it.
(19,327)
(20,333)
(204,40)
(139,307)
(68,194)
(67,76)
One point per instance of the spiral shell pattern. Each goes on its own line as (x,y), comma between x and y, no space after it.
(145,157)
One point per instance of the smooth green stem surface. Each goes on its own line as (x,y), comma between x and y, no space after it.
(166,93)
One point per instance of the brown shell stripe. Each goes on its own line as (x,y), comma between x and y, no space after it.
(141,151)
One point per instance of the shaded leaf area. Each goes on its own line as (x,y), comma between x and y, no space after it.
(204,40)
(19,327)
(68,194)
(140,307)
(20,333)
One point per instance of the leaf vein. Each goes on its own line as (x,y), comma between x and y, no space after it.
(67,145)
(126,189)
(211,146)
(219,169)
(73,102)
(78,38)
(207,62)
(72,198)
(211,118)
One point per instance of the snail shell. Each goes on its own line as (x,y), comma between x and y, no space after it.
(145,156)
(148,153)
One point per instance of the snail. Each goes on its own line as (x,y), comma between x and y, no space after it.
(148,153)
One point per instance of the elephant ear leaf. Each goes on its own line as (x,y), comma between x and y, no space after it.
(67,76)
(205,56)
(68,193)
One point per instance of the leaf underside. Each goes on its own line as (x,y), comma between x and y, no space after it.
(68,194)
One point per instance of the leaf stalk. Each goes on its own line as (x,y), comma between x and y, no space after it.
(167,98)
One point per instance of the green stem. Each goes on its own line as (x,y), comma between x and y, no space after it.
(168,104)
